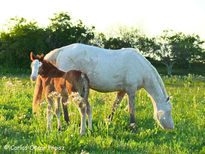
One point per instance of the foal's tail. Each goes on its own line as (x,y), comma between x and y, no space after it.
(38,95)
(85,85)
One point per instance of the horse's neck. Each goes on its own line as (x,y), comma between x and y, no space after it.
(155,87)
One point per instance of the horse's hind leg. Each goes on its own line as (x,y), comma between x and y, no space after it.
(117,101)
(65,109)
(57,112)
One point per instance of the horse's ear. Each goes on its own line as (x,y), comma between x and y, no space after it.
(41,57)
(32,56)
(168,98)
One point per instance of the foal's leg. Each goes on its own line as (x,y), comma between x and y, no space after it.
(117,101)
(131,108)
(82,109)
(65,109)
(57,112)
(38,94)
(49,112)
(89,113)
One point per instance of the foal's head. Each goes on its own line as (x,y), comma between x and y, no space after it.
(36,65)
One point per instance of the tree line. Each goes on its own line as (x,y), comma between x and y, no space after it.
(22,36)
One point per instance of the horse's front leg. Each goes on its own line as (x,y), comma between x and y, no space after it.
(117,101)
(57,112)
(131,108)
(49,112)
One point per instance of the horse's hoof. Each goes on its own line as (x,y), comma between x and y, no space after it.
(108,121)
(110,118)
(68,123)
(133,127)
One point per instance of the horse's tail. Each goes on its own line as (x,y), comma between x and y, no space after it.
(38,95)
(85,85)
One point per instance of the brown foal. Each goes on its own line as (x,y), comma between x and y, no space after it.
(64,83)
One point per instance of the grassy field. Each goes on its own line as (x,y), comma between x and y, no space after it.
(21,132)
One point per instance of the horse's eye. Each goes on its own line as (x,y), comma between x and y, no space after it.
(39,64)
(167,99)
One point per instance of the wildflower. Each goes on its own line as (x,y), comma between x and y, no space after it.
(54,94)
(42,103)
(101,100)
(10,85)
(67,103)
(76,97)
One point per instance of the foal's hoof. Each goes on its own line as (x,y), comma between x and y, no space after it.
(108,121)
(133,127)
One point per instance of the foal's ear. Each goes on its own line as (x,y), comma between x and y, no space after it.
(41,57)
(32,56)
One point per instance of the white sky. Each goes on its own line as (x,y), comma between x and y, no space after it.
(152,16)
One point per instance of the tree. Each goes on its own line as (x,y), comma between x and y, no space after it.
(178,48)
(64,32)
(129,37)
(98,40)
(20,38)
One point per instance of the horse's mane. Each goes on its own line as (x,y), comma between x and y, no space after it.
(159,79)
(50,69)
(49,64)
(156,74)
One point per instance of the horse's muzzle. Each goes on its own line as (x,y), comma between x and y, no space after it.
(168,128)
(33,78)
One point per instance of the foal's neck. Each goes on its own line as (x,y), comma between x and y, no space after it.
(49,70)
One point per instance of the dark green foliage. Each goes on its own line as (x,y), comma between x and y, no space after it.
(23,37)
(20,39)
(181,49)
(64,32)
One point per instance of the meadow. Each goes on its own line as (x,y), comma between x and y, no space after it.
(22,132)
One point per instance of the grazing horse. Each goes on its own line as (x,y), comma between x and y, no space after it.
(124,70)
(64,83)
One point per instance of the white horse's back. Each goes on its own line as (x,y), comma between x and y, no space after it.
(108,70)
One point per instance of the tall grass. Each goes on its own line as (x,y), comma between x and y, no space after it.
(22,132)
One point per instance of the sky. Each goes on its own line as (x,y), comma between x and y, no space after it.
(151,16)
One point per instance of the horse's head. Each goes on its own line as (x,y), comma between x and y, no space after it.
(36,65)
(164,115)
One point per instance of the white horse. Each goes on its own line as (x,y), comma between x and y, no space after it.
(124,70)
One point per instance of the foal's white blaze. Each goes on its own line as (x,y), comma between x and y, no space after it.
(35,67)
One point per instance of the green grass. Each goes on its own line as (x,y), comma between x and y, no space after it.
(22,132)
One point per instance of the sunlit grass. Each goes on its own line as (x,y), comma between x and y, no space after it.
(23,132)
